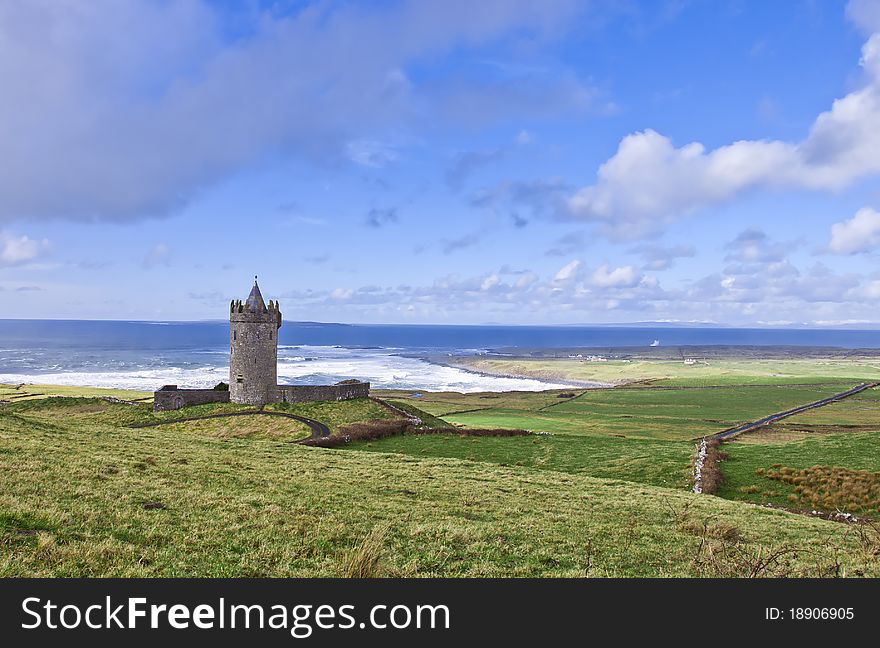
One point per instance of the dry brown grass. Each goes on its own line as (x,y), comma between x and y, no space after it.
(365,560)
(829,487)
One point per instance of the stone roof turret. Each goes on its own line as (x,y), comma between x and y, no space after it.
(255,303)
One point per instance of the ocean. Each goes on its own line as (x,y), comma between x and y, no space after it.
(147,355)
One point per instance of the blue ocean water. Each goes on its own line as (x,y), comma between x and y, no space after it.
(145,355)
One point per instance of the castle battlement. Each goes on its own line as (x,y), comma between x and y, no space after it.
(239,306)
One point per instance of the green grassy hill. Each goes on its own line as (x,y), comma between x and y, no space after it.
(82,494)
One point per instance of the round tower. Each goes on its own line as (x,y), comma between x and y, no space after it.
(253,349)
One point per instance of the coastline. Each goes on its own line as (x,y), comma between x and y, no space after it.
(548,380)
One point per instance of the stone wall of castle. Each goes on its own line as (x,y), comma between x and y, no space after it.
(171,398)
(307,393)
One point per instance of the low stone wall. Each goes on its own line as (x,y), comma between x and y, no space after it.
(307,393)
(174,399)
(171,398)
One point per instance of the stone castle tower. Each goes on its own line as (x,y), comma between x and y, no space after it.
(253,366)
(253,344)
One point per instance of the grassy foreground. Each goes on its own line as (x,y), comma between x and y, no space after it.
(82,495)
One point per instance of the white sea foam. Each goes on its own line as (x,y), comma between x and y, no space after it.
(144,379)
(384,370)
(301,365)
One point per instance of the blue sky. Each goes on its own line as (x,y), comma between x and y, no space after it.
(456,162)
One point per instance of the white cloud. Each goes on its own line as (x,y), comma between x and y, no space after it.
(341,294)
(568,271)
(754,246)
(119,110)
(865,14)
(526,280)
(490,282)
(622,277)
(858,234)
(649,181)
(21,249)
(871,290)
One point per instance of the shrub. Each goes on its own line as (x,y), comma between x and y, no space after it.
(831,487)
(383,428)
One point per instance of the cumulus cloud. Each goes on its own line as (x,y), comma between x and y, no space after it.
(649,181)
(17,250)
(754,246)
(621,277)
(568,271)
(342,294)
(113,111)
(741,293)
(490,282)
(860,233)
(865,14)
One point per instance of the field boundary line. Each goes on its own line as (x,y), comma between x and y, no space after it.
(730,433)
(563,400)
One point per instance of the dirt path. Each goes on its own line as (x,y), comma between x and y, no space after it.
(319,430)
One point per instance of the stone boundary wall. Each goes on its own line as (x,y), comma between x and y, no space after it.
(173,399)
(307,393)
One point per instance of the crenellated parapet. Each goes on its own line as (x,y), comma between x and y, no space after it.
(240,306)
(240,311)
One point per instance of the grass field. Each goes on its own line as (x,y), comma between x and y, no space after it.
(641,435)
(646,461)
(333,414)
(80,495)
(715,371)
(744,470)
(14,393)
(843,435)
(669,414)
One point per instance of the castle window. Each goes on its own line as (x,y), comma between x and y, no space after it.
(234,335)
(239,379)
(270,335)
